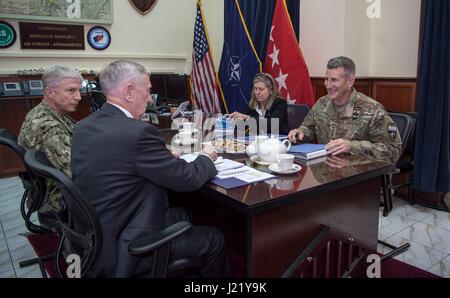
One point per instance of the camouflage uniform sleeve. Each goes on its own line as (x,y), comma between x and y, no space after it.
(384,139)
(56,144)
(308,127)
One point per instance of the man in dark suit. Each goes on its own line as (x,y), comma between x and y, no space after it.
(122,166)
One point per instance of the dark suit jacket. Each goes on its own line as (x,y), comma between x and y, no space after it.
(123,167)
(277,110)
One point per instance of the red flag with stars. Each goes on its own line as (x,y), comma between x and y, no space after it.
(284,59)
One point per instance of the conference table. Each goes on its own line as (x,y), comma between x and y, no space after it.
(269,224)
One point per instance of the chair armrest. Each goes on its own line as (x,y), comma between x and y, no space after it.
(394,171)
(146,245)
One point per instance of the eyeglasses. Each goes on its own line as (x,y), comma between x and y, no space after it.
(265,77)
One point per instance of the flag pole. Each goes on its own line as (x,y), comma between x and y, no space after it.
(248,34)
(200,4)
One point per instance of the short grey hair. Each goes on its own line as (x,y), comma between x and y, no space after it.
(345,62)
(118,71)
(55,74)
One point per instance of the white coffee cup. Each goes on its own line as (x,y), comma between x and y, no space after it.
(188,126)
(285,162)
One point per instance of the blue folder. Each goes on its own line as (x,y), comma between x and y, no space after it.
(308,151)
(228,183)
(306,148)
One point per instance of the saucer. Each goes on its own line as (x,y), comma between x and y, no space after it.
(295,168)
(255,159)
(178,142)
(192,130)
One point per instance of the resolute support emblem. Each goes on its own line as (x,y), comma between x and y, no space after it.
(143,6)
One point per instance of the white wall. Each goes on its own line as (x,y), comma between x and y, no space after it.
(160,40)
(214,16)
(395,39)
(322,32)
(385,47)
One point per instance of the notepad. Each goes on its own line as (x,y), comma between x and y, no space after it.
(308,151)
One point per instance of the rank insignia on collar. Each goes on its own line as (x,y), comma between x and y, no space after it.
(392,130)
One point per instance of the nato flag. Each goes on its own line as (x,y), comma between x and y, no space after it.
(239,63)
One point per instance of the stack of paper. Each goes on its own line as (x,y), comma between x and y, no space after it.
(240,176)
(232,173)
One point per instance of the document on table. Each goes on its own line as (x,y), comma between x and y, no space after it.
(228,168)
(245,173)
(222,164)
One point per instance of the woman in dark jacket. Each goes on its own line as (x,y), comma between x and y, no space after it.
(265,105)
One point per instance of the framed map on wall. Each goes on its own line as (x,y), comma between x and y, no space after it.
(80,11)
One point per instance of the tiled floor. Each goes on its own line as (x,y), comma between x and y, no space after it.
(427,230)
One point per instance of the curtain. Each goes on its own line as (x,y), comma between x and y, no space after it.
(432,149)
(258,18)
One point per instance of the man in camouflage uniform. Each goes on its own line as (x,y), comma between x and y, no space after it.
(48,128)
(348,121)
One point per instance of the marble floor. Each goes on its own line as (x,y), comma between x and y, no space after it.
(427,230)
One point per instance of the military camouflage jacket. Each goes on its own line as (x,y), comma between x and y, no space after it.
(363,121)
(48,132)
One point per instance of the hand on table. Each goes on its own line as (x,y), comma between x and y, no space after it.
(338,146)
(296,135)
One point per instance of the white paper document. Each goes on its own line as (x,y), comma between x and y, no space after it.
(221,163)
(245,173)
(228,168)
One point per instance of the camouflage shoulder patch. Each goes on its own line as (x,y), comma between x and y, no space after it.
(392,130)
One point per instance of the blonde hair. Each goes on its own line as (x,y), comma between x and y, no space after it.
(269,82)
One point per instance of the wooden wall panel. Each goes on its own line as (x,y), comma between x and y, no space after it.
(396,95)
(12,113)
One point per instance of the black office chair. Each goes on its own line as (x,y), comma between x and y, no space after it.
(34,186)
(406,162)
(32,200)
(404,124)
(83,232)
(296,114)
(96,99)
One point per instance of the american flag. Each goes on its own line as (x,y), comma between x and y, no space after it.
(203,77)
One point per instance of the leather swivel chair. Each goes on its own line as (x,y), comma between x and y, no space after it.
(34,186)
(406,162)
(40,238)
(96,100)
(296,115)
(404,124)
(83,232)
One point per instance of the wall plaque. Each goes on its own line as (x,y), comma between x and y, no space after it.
(99,38)
(143,6)
(7,35)
(51,36)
